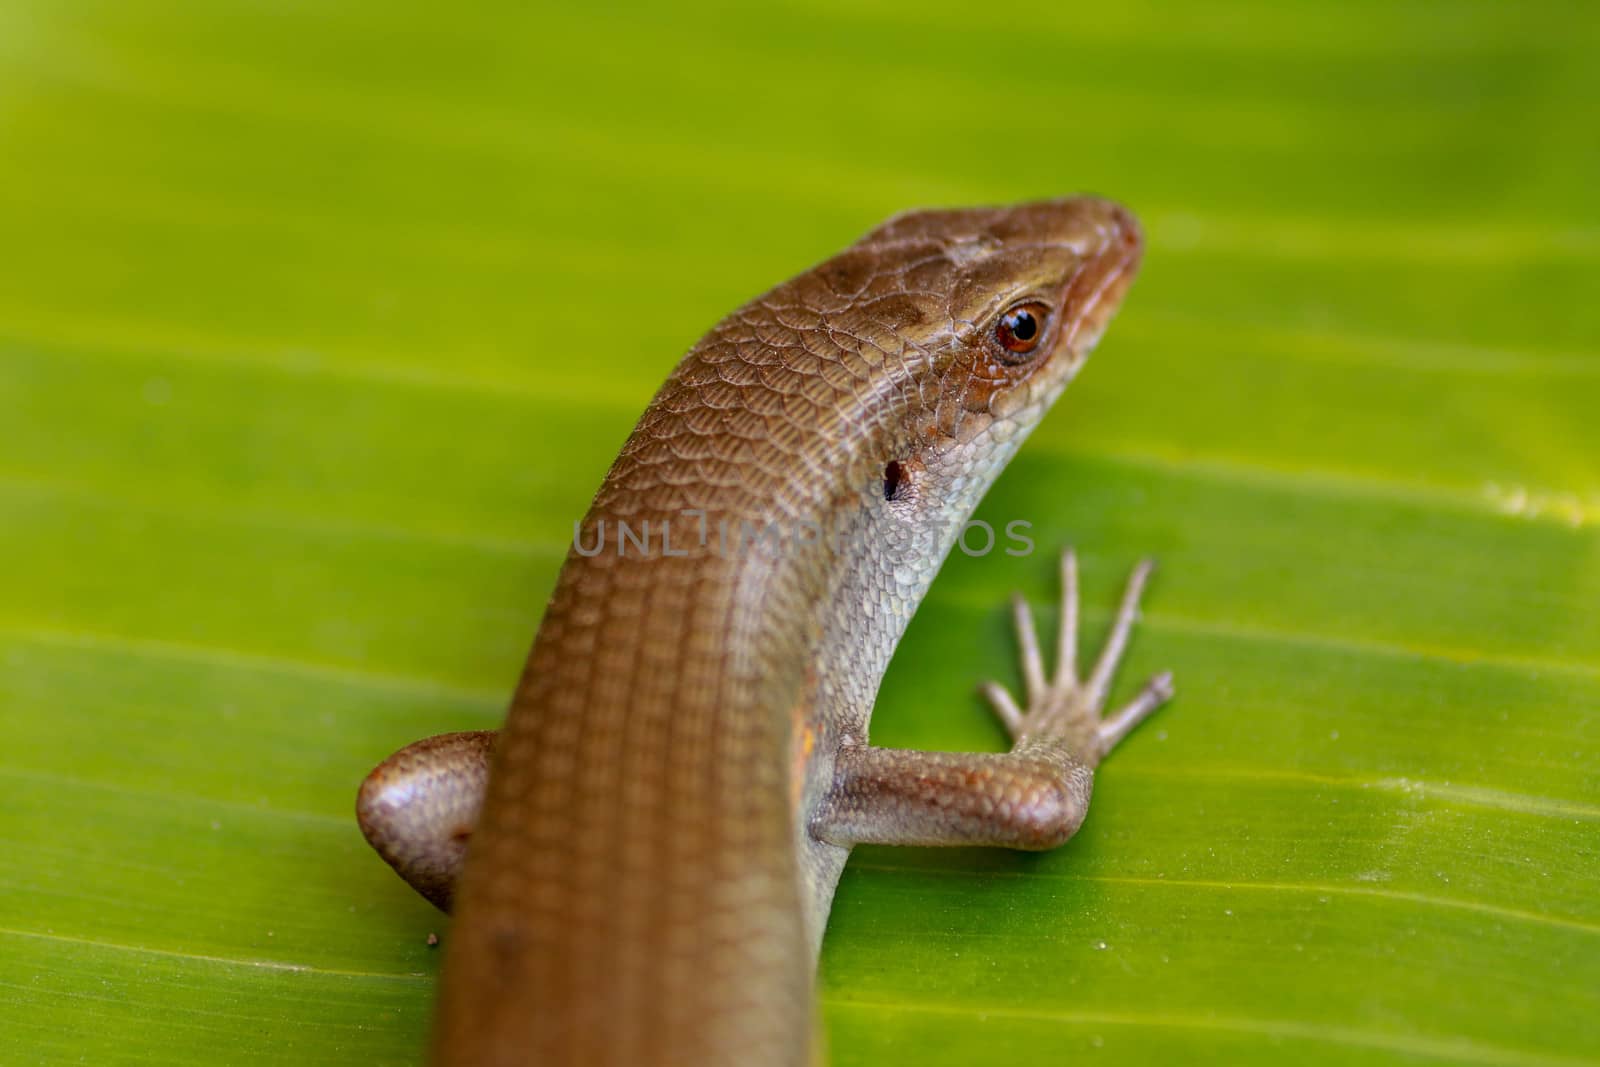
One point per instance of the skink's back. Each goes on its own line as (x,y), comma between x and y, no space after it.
(632,896)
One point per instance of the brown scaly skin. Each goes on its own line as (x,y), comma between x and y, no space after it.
(685,764)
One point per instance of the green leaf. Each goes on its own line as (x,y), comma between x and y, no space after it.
(320,322)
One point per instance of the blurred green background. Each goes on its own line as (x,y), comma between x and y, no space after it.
(320,322)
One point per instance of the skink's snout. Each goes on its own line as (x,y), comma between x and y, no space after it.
(1129,234)
(1119,239)
(1096,289)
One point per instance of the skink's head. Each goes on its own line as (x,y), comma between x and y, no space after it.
(1004,304)
(907,367)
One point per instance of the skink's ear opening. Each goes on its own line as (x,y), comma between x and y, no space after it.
(893,480)
(902,481)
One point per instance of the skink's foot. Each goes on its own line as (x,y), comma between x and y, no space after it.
(1033,797)
(1063,706)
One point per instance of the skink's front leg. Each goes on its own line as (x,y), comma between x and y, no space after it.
(1033,797)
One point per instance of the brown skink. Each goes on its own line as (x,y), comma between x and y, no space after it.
(685,765)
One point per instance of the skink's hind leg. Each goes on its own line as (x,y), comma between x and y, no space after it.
(1033,797)
(1063,705)
(419,806)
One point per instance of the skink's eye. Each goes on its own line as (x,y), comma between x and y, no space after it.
(1020,328)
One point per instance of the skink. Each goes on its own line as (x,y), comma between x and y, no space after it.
(657,832)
